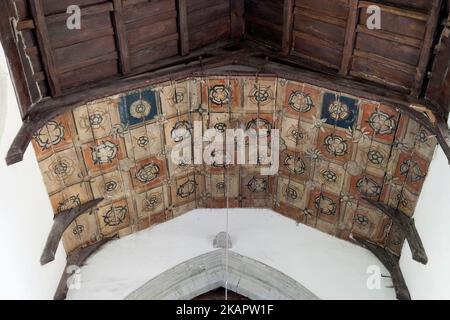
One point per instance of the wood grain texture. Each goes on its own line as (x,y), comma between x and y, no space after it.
(183,28)
(45,46)
(350,36)
(288,25)
(407,226)
(427,47)
(121,39)
(61,222)
(14,62)
(392,264)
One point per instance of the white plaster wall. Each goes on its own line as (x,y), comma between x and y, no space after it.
(25,211)
(330,268)
(433,223)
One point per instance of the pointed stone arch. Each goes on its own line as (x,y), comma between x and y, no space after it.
(207,272)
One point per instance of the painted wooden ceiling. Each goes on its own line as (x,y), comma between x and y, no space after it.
(335,150)
(372,136)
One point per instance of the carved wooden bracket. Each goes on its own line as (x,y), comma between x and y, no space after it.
(407,226)
(60,224)
(77,259)
(391,262)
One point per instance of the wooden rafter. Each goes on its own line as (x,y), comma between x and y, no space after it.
(183,27)
(37,11)
(237,10)
(60,224)
(427,47)
(408,228)
(288,25)
(77,258)
(121,37)
(10,48)
(391,262)
(350,36)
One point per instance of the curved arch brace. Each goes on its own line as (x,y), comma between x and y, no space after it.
(207,272)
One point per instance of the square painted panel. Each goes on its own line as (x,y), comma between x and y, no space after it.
(339,111)
(137,108)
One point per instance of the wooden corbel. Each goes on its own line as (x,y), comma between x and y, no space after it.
(391,262)
(77,259)
(443,137)
(60,223)
(407,226)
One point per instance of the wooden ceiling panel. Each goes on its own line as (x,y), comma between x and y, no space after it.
(54,7)
(151,31)
(319,31)
(207,22)
(264,20)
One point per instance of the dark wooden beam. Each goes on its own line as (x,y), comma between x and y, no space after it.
(350,36)
(407,226)
(443,137)
(427,47)
(60,224)
(183,28)
(288,26)
(391,263)
(45,47)
(237,11)
(8,41)
(121,38)
(77,258)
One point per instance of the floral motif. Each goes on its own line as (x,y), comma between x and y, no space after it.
(261,95)
(368,187)
(96,119)
(78,229)
(49,135)
(375,157)
(69,203)
(142,141)
(294,164)
(338,110)
(294,134)
(220,94)
(314,155)
(382,123)
(318,124)
(258,185)
(148,173)
(104,152)
(115,216)
(336,145)
(411,170)
(110,186)
(220,127)
(325,205)
(300,102)
(290,192)
(329,176)
(181,130)
(140,109)
(186,189)
(260,125)
(362,220)
(62,168)
(151,202)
